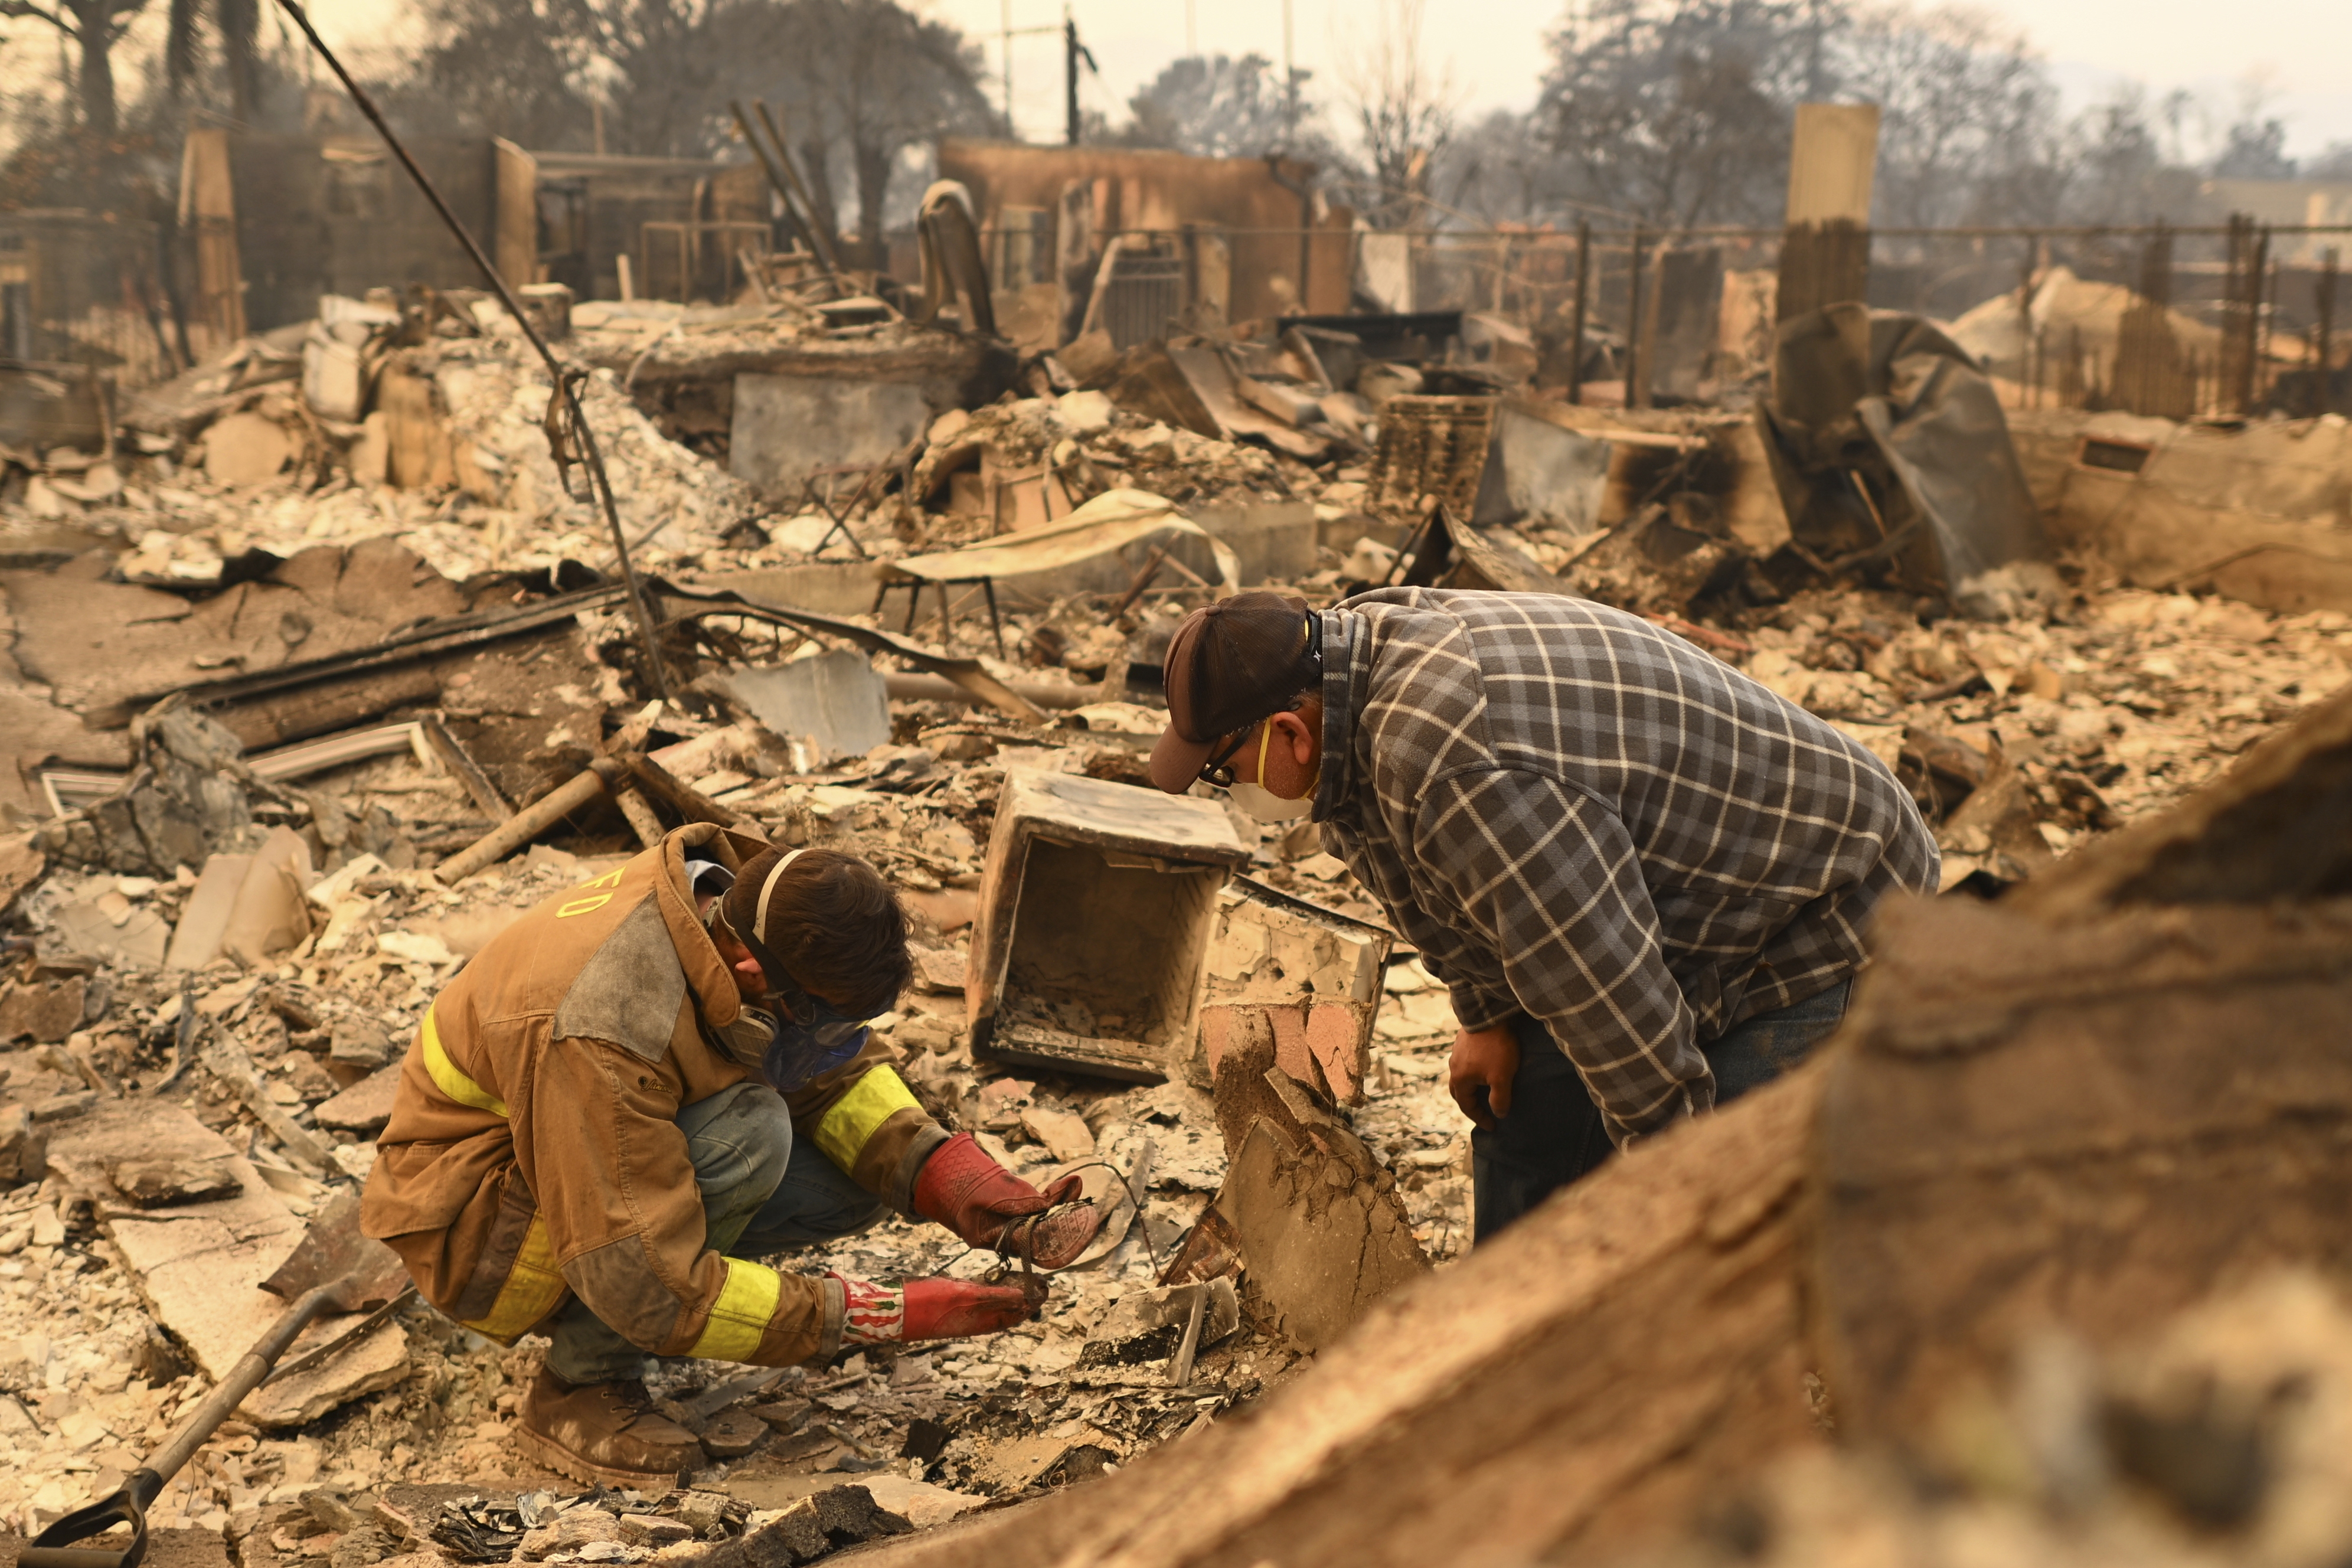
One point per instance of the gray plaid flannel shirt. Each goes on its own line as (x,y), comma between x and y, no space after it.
(1576,814)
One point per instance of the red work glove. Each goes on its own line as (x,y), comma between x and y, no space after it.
(962,1188)
(928,1310)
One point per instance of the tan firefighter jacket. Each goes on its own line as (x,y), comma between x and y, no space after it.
(532,1151)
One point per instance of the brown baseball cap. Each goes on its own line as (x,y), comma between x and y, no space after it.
(1229,666)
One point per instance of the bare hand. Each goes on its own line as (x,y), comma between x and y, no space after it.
(1487,1060)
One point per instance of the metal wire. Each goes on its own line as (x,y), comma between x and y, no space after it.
(576,419)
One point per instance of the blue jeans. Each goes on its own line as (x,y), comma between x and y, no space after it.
(762,1192)
(1554,1133)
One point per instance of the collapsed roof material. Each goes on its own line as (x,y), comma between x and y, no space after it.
(1887,442)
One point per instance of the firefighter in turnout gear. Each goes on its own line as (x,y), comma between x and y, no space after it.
(650,1082)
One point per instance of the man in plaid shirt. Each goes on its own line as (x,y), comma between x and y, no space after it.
(1645,877)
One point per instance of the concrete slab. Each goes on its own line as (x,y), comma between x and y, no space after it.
(200,1267)
(365,1105)
(787,427)
(1273,541)
(837,700)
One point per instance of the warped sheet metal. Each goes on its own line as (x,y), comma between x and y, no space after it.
(1887,443)
(966,672)
(1082,552)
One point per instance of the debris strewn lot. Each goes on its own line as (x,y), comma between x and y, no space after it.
(224,919)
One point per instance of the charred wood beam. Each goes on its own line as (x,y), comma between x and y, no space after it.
(967,673)
(450,634)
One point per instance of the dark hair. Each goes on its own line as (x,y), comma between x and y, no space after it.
(832,921)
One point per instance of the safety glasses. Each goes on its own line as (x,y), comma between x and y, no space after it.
(1218,770)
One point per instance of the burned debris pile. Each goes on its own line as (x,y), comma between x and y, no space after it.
(322,671)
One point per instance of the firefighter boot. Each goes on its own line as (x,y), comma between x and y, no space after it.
(604,1433)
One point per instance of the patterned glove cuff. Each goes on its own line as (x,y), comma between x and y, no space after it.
(873,1313)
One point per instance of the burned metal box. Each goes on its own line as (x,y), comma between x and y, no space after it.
(1098,904)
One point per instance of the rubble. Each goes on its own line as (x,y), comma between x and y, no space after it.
(1861,1250)
(2176,1449)
(320,678)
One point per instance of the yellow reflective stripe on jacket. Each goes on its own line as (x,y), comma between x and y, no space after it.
(450,1078)
(740,1318)
(533,1285)
(843,1131)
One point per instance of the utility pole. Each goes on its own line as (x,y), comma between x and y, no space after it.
(1006,34)
(1010,135)
(1073,52)
(1289,81)
(1815,80)
(1070,75)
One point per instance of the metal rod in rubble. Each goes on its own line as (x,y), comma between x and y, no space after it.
(2324,348)
(817,237)
(588,452)
(1576,318)
(800,221)
(802,214)
(1633,367)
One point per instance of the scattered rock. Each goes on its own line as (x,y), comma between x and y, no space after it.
(163,1184)
(23,1146)
(1064,1135)
(65,1106)
(364,1107)
(357,1043)
(733,1433)
(576,1528)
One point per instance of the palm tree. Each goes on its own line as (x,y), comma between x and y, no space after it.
(236,25)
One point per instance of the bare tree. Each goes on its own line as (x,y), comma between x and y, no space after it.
(1680,111)
(663,67)
(498,67)
(1967,110)
(864,80)
(1215,106)
(2114,169)
(236,25)
(1503,169)
(537,70)
(1404,112)
(2254,146)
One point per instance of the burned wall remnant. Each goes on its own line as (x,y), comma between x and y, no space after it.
(336,215)
(1234,228)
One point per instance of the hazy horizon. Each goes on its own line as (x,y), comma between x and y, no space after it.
(2301,49)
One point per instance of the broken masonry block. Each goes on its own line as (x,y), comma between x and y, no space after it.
(24,1147)
(1149,1325)
(166,1184)
(1314,976)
